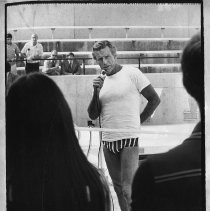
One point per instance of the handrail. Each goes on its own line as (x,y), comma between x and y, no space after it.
(103,27)
(110,39)
(85,58)
(127,130)
(141,56)
(90,28)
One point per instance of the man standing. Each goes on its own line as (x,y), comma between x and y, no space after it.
(33,51)
(13,53)
(71,66)
(116,99)
(172,181)
(52,67)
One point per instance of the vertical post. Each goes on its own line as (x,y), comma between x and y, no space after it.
(139,61)
(126,32)
(52,33)
(15,31)
(101,164)
(162,32)
(89,35)
(83,61)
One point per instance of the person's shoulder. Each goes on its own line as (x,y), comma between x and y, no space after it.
(185,156)
(14,45)
(132,69)
(39,45)
(28,43)
(76,62)
(65,62)
(133,72)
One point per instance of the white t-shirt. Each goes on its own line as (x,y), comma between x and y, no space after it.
(120,100)
(32,50)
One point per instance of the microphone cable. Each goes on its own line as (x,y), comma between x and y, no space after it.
(99,121)
(90,142)
(102,76)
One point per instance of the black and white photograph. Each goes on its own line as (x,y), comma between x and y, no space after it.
(104,106)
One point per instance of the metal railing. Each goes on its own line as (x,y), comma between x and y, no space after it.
(91,28)
(139,58)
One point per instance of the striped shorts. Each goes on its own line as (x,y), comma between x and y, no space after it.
(117,146)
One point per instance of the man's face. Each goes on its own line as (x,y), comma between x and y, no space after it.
(54,54)
(105,59)
(9,41)
(34,39)
(70,57)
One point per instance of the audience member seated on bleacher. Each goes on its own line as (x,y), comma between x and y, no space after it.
(46,167)
(173,180)
(52,67)
(71,66)
(33,51)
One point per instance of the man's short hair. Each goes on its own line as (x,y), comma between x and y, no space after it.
(9,35)
(36,35)
(103,44)
(192,64)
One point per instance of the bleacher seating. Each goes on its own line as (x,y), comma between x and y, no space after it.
(156,54)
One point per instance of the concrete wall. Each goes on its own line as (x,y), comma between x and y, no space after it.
(174,99)
(102,15)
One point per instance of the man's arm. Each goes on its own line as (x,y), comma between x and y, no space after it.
(66,73)
(153,101)
(78,69)
(50,70)
(94,108)
(23,51)
(64,67)
(17,52)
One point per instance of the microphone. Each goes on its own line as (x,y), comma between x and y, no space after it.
(102,76)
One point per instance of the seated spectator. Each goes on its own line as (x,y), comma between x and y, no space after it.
(171,181)
(71,66)
(46,167)
(52,67)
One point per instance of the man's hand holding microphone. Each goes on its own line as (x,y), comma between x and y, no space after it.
(99,81)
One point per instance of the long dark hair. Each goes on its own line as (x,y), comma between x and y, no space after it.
(46,168)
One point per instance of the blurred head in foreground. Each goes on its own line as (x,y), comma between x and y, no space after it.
(46,168)
(192,63)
